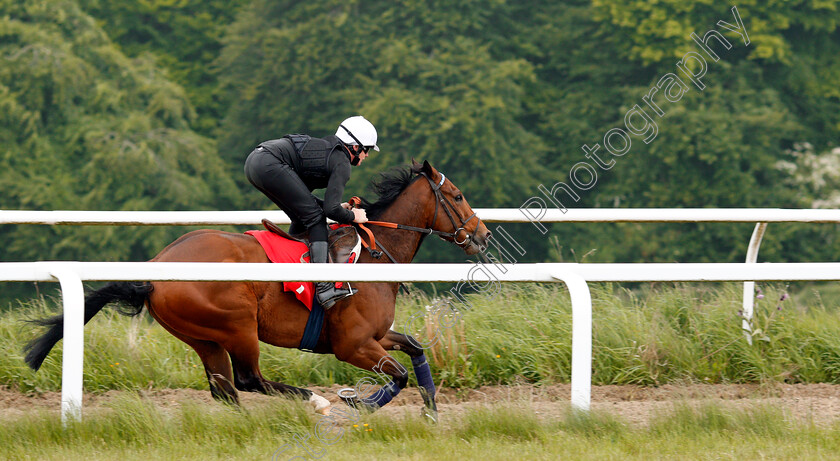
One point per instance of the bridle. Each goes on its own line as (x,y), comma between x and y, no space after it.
(449,208)
(440,201)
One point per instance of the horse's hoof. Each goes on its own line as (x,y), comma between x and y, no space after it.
(320,404)
(429,415)
(348,396)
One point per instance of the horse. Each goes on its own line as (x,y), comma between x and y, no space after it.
(225,321)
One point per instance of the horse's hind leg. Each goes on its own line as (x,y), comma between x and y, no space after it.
(216,366)
(245,356)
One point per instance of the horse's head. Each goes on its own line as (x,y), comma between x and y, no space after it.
(453,215)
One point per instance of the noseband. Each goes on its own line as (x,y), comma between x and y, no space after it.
(449,208)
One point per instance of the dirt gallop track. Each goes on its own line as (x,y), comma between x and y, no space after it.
(819,403)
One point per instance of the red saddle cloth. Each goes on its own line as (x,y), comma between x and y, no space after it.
(281,250)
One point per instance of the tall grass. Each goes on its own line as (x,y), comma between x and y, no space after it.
(653,336)
(133,429)
(648,336)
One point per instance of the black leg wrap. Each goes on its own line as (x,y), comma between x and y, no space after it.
(370,404)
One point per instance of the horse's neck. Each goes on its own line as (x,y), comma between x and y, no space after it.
(402,244)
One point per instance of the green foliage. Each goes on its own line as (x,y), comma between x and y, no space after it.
(132,428)
(657,31)
(432,89)
(184,36)
(133,425)
(85,127)
(508,423)
(715,148)
(512,93)
(112,105)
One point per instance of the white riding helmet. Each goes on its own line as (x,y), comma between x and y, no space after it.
(357,130)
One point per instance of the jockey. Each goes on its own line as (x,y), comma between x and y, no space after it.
(288,169)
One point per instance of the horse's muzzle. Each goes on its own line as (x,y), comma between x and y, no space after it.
(476,243)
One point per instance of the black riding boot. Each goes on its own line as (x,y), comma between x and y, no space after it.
(326,292)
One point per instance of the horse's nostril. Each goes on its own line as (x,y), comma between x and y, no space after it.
(487,236)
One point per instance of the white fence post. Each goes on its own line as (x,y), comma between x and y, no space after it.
(581,337)
(749,286)
(72,359)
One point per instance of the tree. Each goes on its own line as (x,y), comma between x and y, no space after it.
(85,127)
(183,36)
(434,91)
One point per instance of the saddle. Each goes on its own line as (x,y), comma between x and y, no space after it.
(344,242)
(344,246)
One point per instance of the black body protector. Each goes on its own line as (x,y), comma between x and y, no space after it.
(310,159)
(306,159)
(312,156)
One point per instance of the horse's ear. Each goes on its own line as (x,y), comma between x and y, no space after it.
(427,168)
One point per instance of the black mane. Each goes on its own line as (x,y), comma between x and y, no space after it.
(388,187)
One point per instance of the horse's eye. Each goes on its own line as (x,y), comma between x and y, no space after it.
(459,197)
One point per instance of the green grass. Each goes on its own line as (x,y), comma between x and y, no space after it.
(649,336)
(134,430)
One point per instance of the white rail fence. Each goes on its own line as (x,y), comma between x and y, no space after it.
(71,274)
(510,215)
(528,213)
(576,276)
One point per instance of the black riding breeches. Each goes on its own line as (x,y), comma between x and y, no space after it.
(279,182)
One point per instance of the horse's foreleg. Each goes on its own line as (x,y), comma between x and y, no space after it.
(394,341)
(372,356)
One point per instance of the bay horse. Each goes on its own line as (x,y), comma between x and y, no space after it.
(225,321)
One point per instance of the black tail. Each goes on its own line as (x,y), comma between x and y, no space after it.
(132,296)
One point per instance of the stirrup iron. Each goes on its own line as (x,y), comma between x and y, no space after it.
(328,294)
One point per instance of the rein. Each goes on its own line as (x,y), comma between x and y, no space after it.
(448,207)
(422,230)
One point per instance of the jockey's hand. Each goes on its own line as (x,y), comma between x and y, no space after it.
(345,205)
(360,215)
